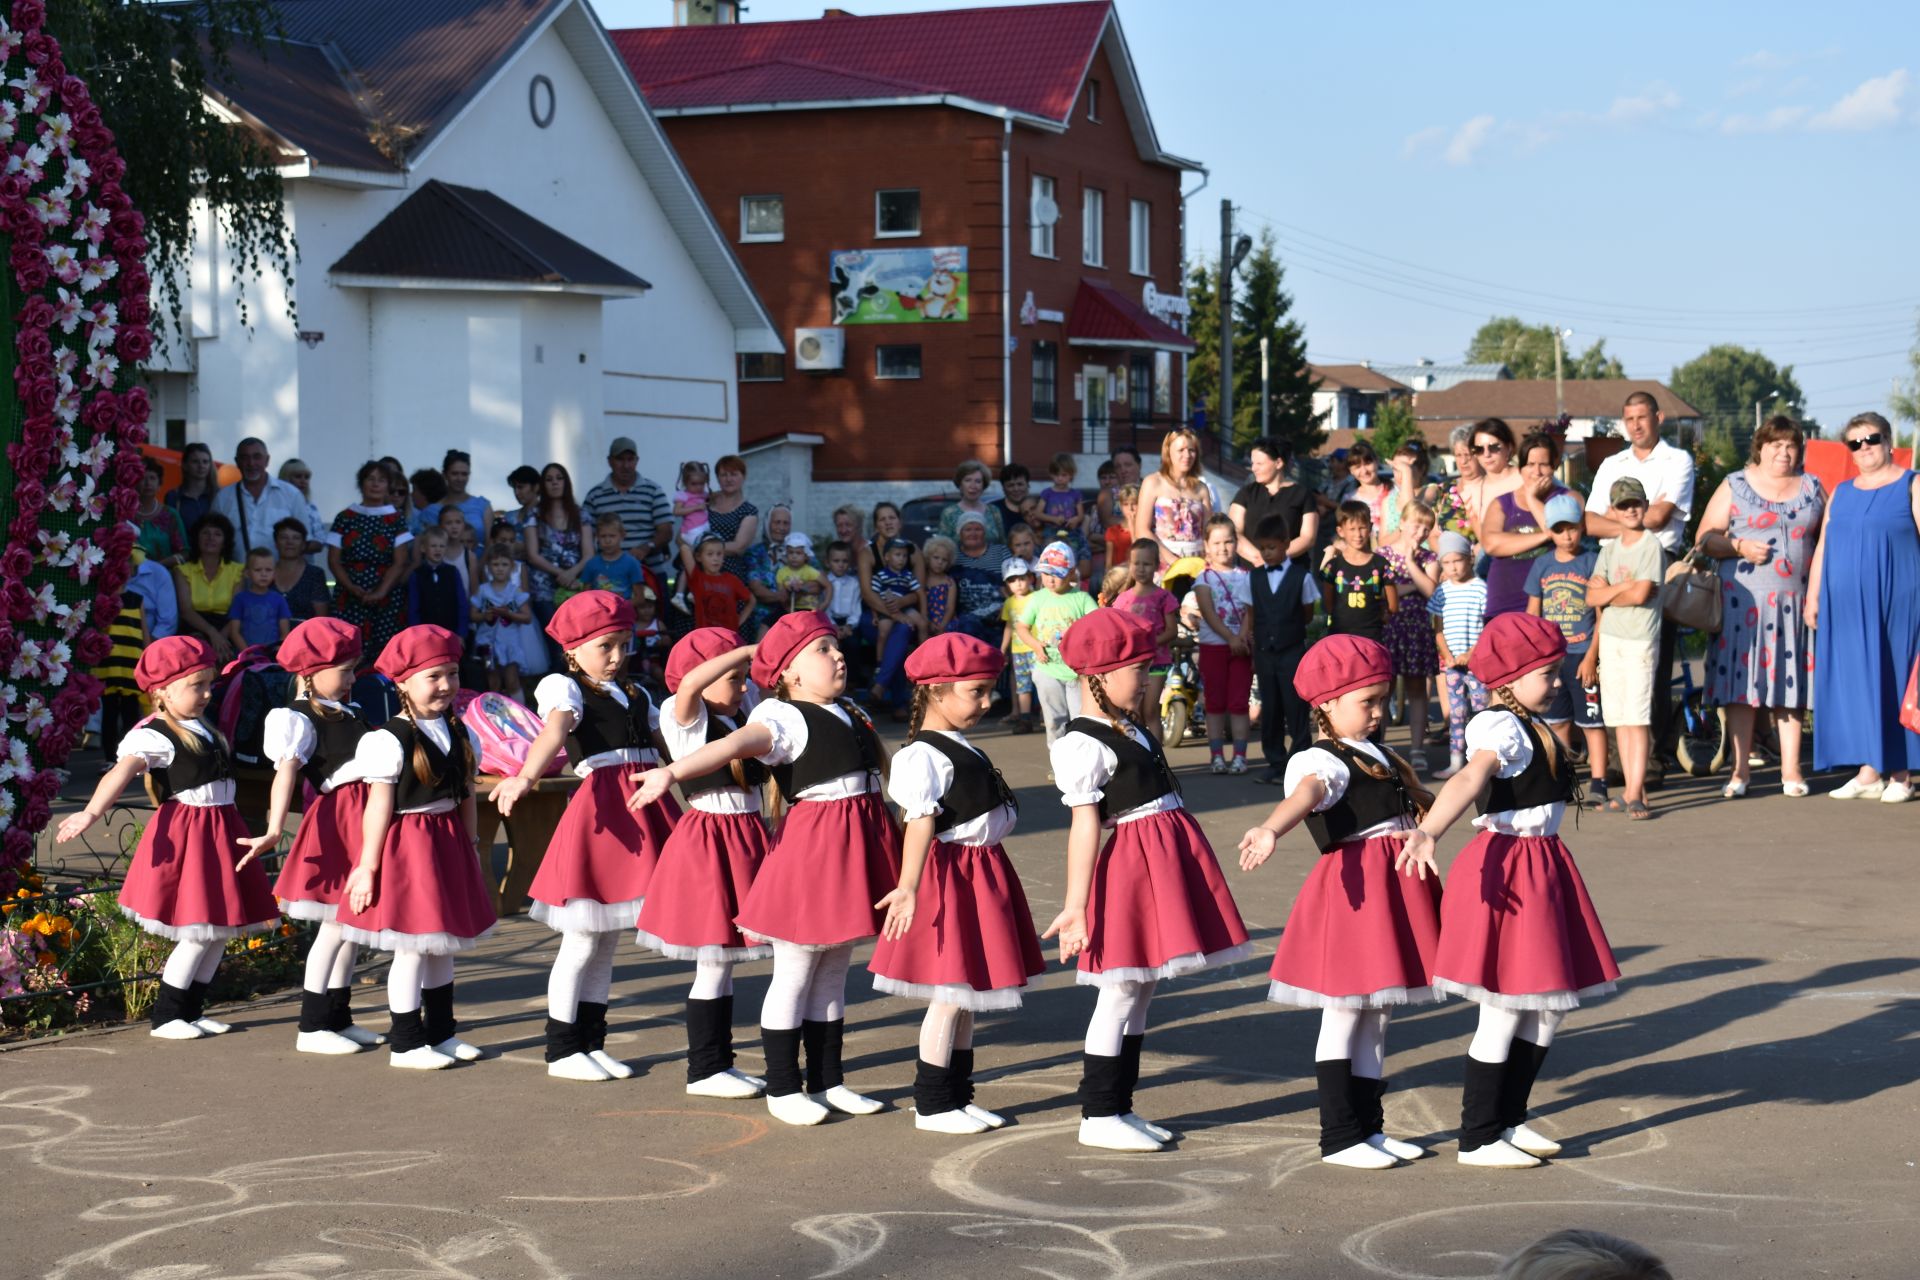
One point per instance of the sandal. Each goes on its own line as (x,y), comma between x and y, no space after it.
(1637,810)
(1613,804)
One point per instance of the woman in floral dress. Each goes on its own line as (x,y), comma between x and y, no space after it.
(1409,636)
(366,549)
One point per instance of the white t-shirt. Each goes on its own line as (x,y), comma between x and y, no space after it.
(1667,475)
(1082,766)
(789,729)
(1499,731)
(920,775)
(1318,762)
(560,693)
(1232,599)
(153,747)
(683,740)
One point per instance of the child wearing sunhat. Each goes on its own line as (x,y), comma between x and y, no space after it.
(1042,620)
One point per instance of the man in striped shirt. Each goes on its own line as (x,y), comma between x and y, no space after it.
(646,514)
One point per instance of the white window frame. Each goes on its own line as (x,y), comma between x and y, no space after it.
(1093,227)
(1140,237)
(1093,100)
(880,231)
(762,237)
(1043,241)
(881,375)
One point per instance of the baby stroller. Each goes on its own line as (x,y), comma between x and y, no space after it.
(1182,709)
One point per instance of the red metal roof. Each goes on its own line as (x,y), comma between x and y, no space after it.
(1102,316)
(1030,58)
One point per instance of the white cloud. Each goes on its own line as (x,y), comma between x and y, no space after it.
(1423,140)
(1873,104)
(1651,101)
(1468,139)
(1762,60)
(1774,121)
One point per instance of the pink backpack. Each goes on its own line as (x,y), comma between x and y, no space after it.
(505,731)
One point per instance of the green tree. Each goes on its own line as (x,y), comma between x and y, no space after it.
(147,67)
(1394,425)
(1261,307)
(1904,403)
(1724,382)
(1527,351)
(1203,326)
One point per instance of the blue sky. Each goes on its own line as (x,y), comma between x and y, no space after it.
(1662,176)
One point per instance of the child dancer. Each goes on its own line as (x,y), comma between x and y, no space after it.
(595,873)
(1518,933)
(836,854)
(1360,939)
(183,883)
(314,741)
(1149,905)
(710,860)
(958,933)
(418,890)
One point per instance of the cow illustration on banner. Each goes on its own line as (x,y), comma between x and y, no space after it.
(899,286)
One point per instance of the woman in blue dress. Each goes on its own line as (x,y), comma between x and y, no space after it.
(1864,598)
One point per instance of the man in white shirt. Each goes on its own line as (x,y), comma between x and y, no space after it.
(259,501)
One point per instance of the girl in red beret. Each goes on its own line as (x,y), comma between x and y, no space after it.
(1518,933)
(835,853)
(711,858)
(601,858)
(185,881)
(1361,938)
(315,740)
(418,889)
(1151,903)
(958,933)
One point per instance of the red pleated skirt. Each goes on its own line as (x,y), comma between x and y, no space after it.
(601,859)
(707,867)
(181,883)
(1361,935)
(1517,929)
(972,941)
(430,895)
(1159,906)
(322,855)
(831,861)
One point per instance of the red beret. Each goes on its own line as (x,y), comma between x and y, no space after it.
(952,657)
(785,639)
(319,643)
(697,646)
(169,658)
(416,649)
(1512,645)
(1341,664)
(1106,640)
(589,614)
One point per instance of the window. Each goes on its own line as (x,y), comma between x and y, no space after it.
(1139,233)
(763,218)
(1140,387)
(1043,213)
(896,213)
(1093,101)
(1046,382)
(897,362)
(768,367)
(1093,235)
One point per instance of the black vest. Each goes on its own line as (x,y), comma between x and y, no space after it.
(833,749)
(604,725)
(978,787)
(1368,802)
(1277,625)
(410,792)
(752,772)
(441,599)
(338,738)
(1537,784)
(190,768)
(1140,775)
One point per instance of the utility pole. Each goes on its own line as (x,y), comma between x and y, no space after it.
(1264,400)
(1559,387)
(1224,419)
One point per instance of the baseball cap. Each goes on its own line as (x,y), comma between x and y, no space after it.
(1056,560)
(1564,508)
(1627,489)
(1015,568)
(620,445)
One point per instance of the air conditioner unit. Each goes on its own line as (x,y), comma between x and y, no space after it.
(819,350)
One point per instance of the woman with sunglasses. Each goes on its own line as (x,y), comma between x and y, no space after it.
(1863,595)
(1491,443)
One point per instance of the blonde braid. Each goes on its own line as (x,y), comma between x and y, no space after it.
(917,714)
(1421,797)
(1099,687)
(313,700)
(1548,743)
(422,766)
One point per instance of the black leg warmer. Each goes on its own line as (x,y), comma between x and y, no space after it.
(316,1012)
(1100,1081)
(1480,1104)
(436,1010)
(1340,1128)
(782,1050)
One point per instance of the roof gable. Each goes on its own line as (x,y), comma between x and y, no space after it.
(1532,399)
(1354,377)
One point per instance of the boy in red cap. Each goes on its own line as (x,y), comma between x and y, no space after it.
(1518,933)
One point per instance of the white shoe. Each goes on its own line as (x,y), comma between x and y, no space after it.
(1795,789)
(1111,1133)
(756,1081)
(985,1117)
(847,1102)
(425,1058)
(1498,1155)
(1218,765)
(1239,765)
(724,1084)
(178,1029)
(796,1108)
(213,1026)
(1159,1133)
(1734,790)
(611,1065)
(331,1042)
(1854,789)
(455,1047)
(1361,1155)
(1896,793)
(956,1122)
(1530,1140)
(1455,763)
(1394,1147)
(578,1066)
(361,1036)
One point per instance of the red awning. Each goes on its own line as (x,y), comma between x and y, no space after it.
(1105,317)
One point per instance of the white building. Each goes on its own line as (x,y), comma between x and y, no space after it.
(499,252)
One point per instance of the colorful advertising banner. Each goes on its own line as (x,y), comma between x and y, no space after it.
(899,286)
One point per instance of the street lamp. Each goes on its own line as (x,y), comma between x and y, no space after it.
(1757,405)
(1559,393)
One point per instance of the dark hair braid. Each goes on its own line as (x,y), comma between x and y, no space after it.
(1548,743)
(1396,765)
(1108,709)
(917,713)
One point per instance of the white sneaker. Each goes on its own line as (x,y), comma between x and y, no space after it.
(1530,1140)
(425,1058)
(611,1065)
(756,1081)
(1455,763)
(455,1047)
(1111,1133)
(178,1029)
(1218,765)
(1158,1133)
(1239,765)
(1394,1147)
(361,1036)
(1854,789)
(578,1066)
(1498,1155)
(1361,1155)
(1896,793)
(724,1084)
(956,1122)
(847,1102)
(985,1117)
(796,1108)
(213,1026)
(330,1042)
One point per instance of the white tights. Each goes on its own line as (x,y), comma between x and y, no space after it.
(1359,1035)
(807,986)
(945,1028)
(1494,1037)
(329,960)
(582,971)
(191,962)
(409,972)
(1120,1011)
(712,980)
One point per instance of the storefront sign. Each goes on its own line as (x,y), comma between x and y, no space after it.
(1053,317)
(899,286)
(1164,307)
